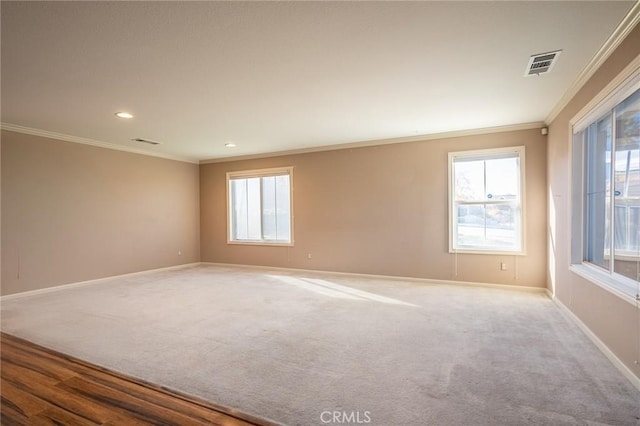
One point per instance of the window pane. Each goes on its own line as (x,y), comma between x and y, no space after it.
(470,225)
(634,229)
(245,210)
(469,180)
(597,187)
(503,178)
(283,208)
(501,226)
(492,226)
(269,208)
(238,209)
(621,225)
(627,187)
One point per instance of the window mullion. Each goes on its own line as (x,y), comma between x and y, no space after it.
(612,198)
(246,194)
(484,177)
(261,210)
(275,204)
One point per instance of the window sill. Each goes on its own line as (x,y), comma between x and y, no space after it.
(622,287)
(491,252)
(261,243)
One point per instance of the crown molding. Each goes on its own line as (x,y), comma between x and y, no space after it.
(619,34)
(378,142)
(92,142)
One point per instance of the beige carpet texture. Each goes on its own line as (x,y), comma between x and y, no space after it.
(296,348)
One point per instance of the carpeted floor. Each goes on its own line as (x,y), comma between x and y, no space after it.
(294,348)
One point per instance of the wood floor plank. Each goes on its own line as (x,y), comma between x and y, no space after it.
(11,414)
(130,405)
(38,363)
(16,373)
(56,417)
(152,396)
(21,401)
(43,387)
(53,397)
(28,349)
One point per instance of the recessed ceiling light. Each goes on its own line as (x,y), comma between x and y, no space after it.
(123,114)
(230,145)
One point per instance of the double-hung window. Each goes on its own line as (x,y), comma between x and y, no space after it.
(606,190)
(486,201)
(259,206)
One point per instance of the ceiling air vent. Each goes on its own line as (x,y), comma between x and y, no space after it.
(541,63)
(145,141)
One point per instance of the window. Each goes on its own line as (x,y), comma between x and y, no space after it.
(606,186)
(486,202)
(259,203)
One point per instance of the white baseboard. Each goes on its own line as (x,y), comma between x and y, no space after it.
(387,277)
(635,380)
(91,282)
(626,371)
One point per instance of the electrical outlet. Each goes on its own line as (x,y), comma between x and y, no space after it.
(179,252)
(503,266)
(309,256)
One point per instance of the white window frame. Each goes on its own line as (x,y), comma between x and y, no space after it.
(614,93)
(278,171)
(520,151)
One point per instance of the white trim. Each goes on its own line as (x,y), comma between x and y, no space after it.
(549,293)
(619,34)
(491,252)
(384,277)
(244,174)
(607,352)
(91,282)
(85,141)
(520,151)
(626,371)
(618,89)
(258,267)
(606,281)
(378,142)
(274,171)
(269,243)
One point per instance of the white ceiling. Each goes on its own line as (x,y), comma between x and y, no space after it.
(278,76)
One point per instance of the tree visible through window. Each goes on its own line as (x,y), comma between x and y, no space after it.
(486,200)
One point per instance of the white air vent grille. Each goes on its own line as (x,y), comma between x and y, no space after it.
(145,141)
(541,63)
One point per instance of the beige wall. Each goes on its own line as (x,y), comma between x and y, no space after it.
(613,320)
(73,212)
(381,210)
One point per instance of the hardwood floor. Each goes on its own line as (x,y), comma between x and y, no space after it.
(42,387)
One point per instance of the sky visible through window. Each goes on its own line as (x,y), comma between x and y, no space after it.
(487,202)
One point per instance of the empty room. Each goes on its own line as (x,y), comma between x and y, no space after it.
(320,213)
